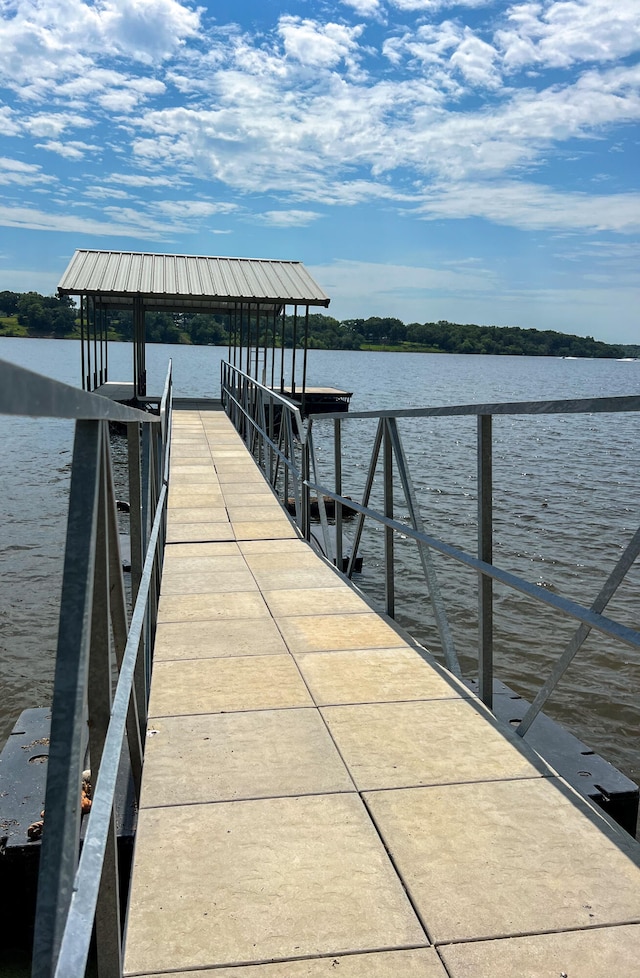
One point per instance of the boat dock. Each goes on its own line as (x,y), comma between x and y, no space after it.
(320,797)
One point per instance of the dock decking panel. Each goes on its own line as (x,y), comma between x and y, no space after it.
(320,797)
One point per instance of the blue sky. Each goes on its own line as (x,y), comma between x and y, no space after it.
(473,161)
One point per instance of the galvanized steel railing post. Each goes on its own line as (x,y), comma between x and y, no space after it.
(329,548)
(119,625)
(485,554)
(271,439)
(337,462)
(100,686)
(262,444)
(389,570)
(59,854)
(306,514)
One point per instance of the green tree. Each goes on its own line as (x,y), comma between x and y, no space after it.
(46,314)
(9,303)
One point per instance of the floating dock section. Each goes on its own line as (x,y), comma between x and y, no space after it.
(320,797)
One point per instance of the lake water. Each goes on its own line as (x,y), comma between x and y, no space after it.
(566,503)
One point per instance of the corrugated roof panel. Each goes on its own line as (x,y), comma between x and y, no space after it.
(163,277)
(88,266)
(131,276)
(163,273)
(209,286)
(238,282)
(145,274)
(114,260)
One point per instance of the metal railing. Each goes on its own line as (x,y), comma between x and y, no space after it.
(103,663)
(272,428)
(286,440)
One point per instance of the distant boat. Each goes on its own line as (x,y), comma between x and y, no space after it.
(627,359)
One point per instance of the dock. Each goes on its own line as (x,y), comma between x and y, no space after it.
(320,797)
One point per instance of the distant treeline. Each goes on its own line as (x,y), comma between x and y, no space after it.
(31,314)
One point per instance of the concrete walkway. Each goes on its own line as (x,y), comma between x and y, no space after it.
(322,799)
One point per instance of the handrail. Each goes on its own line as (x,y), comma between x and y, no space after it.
(77,891)
(587,616)
(74,946)
(388,444)
(272,426)
(24,392)
(584,405)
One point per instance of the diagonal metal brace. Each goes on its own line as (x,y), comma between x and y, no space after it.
(610,587)
(426,559)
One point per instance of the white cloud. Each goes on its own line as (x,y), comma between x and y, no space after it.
(9,121)
(442,51)
(148,30)
(94,80)
(72,150)
(532,206)
(385,280)
(430,44)
(139,221)
(54,124)
(414,118)
(516,132)
(288,219)
(260,136)
(561,33)
(124,223)
(318,45)
(475,59)
(365,8)
(58,40)
(433,6)
(21,173)
(105,193)
(119,101)
(475,295)
(46,44)
(188,209)
(142,180)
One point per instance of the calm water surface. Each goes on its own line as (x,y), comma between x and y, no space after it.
(566,503)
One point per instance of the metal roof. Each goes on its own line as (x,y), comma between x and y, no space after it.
(182,282)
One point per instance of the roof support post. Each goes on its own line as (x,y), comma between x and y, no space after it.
(95,342)
(257,342)
(248,367)
(304,359)
(284,317)
(239,339)
(273,348)
(83,302)
(293,352)
(139,369)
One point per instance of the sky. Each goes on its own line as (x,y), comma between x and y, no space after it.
(474,161)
